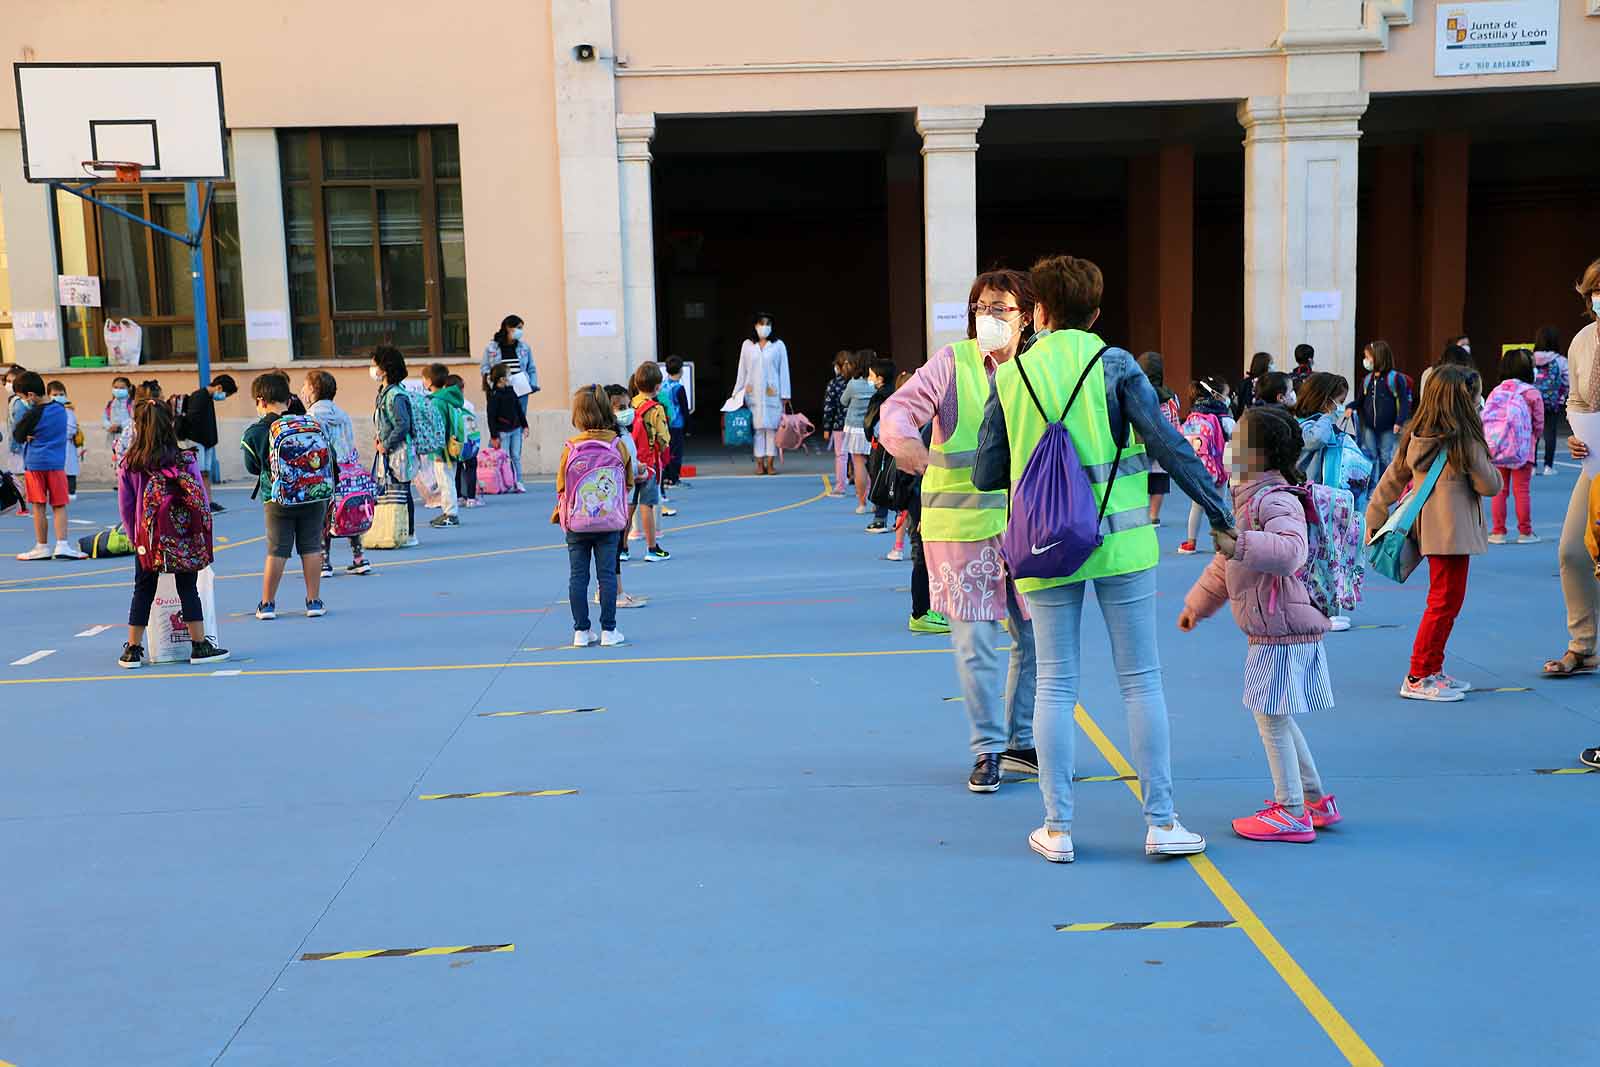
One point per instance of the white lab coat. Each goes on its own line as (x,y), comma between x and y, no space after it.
(763,382)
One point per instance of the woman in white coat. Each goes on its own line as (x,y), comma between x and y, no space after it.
(763,384)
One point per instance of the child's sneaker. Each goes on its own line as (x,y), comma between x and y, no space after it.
(132,657)
(410,542)
(895,556)
(931,623)
(623,554)
(439,522)
(205,652)
(582,638)
(327,568)
(1174,840)
(861,509)
(266,611)
(1444,681)
(876,527)
(1549,470)
(1425,689)
(1275,823)
(1528,539)
(360,566)
(1338,624)
(39,551)
(521,488)
(628,600)
(1057,848)
(668,512)
(1497,539)
(612,638)
(657,554)
(315,610)
(64,550)
(1186,548)
(1325,813)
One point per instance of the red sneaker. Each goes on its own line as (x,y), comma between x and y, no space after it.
(1186,548)
(1325,813)
(1274,823)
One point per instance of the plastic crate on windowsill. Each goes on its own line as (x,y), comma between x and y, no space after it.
(88,361)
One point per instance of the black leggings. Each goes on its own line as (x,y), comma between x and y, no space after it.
(467,479)
(1552,426)
(144,595)
(920,603)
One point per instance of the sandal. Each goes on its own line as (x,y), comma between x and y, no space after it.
(1571,664)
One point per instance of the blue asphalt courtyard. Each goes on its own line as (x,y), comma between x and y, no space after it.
(746,839)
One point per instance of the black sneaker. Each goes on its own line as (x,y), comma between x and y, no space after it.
(877,527)
(206,652)
(985,777)
(327,568)
(360,566)
(132,657)
(1020,760)
(439,521)
(1590,757)
(217,508)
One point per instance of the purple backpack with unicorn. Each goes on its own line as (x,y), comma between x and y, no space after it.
(594,495)
(1053,524)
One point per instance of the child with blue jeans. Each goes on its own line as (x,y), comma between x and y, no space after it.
(592,421)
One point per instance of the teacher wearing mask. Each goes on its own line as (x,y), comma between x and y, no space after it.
(763,383)
(509,350)
(1116,425)
(961,527)
(1579,587)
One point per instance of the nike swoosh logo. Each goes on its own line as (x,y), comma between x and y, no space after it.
(1037,551)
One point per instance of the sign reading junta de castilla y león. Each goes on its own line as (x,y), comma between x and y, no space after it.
(1502,37)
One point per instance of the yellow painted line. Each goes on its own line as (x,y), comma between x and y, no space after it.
(500,793)
(552,711)
(404,953)
(1568,770)
(57,576)
(1339,1030)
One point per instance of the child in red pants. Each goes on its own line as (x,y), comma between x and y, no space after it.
(1449,530)
(1515,390)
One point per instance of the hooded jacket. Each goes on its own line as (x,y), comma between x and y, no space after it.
(1451,520)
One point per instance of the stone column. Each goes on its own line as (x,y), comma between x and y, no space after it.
(263,249)
(31,252)
(1300,195)
(949,215)
(634,134)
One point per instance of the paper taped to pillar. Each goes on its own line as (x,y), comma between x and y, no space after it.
(951,317)
(78,290)
(266,326)
(1321,305)
(33,325)
(1502,37)
(597,322)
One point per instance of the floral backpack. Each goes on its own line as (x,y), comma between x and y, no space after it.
(1508,425)
(1551,381)
(1333,572)
(173,535)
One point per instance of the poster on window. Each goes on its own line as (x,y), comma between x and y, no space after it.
(1499,37)
(78,290)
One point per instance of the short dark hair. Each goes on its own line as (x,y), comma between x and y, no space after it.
(1547,340)
(883,367)
(1155,368)
(456,380)
(270,388)
(507,324)
(1382,356)
(435,374)
(674,364)
(389,360)
(498,374)
(1070,288)
(1304,354)
(647,378)
(226,383)
(1273,388)
(1518,364)
(28,383)
(1002,280)
(324,386)
(1454,353)
(56,386)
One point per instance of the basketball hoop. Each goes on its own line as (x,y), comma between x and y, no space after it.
(118,170)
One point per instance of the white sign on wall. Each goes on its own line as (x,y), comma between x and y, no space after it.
(33,325)
(1321,306)
(78,290)
(266,326)
(949,317)
(1502,37)
(597,322)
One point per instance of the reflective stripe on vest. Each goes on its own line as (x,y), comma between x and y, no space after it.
(952,507)
(1054,364)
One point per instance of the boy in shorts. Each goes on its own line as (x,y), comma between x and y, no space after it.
(42,430)
(290,527)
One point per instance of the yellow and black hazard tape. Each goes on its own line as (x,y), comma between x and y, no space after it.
(1185,924)
(1083,778)
(1569,770)
(500,793)
(396,953)
(551,711)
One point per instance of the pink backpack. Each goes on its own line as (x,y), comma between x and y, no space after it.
(1508,425)
(173,535)
(1207,439)
(355,501)
(594,496)
(793,429)
(509,475)
(489,480)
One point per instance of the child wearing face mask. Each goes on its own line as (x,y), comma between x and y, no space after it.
(75,449)
(833,417)
(857,395)
(1286,667)
(1209,428)
(117,421)
(41,433)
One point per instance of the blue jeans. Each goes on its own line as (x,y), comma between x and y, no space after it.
(1379,447)
(512,443)
(1001,718)
(1128,603)
(603,547)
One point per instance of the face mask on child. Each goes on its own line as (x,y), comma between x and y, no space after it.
(220,395)
(625,418)
(119,392)
(1366,361)
(58,398)
(377,375)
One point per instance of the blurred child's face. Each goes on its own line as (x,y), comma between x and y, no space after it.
(58,396)
(618,403)
(876,382)
(1338,402)
(1249,461)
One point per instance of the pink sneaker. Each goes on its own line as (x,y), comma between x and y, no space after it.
(1325,813)
(1274,823)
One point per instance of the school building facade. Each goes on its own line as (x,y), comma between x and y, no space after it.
(636,179)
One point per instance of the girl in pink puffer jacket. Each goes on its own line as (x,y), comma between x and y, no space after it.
(1286,669)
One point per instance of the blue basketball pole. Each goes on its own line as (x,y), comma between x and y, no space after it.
(197,275)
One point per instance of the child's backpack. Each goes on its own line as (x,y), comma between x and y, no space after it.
(1552,384)
(174,531)
(887,485)
(793,429)
(355,499)
(489,480)
(594,496)
(1332,573)
(509,475)
(652,455)
(1508,425)
(738,428)
(1206,437)
(471,435)
(300,464)
(427,425)
(106,543)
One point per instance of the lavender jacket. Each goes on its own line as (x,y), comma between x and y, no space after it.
(130,485)
(1269,603)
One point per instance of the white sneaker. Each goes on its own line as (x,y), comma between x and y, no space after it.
(410,542)
(1426,689)
(1549,471)
(668,512)
(1528,539)
(1057,848)
(1444,681)
(1497,539)
(1174,841)
(521,488)
(628,600)
(582,638)
(64,550)
(1338,624)
(861,509)
(895,556)
(612,638)
(36,552)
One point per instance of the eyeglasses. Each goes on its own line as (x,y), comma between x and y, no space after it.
(992,309)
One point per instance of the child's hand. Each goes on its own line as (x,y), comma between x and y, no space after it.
(1226,541)
(524,433)
(494,442)
(1187,620)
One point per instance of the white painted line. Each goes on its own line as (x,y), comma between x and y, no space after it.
(225,674)
(33,657)
(94,631)
(1569,466)
(82,522)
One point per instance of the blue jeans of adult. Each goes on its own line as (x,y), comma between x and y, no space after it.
(602,547)
(1128,602)
(1001,719)
(1379,447)
(512,443)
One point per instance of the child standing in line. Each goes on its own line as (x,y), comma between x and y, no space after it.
(610,481)
(1286,668)
(11,453)
(1209,406)
(41,431)
(1154,368)
(621,424)
(880,376)
(678,422)
(855,398)
(471,442)
(75,441)
(118,418)
(1449,529)
(293,467)
(654,442)
(447,401)
(1515,456)
(317,394)
(507,423)
(156,452)
(833,417)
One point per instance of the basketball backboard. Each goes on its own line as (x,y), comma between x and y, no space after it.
(166,117)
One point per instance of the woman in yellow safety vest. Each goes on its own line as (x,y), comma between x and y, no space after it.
(1115,396)
(960,527)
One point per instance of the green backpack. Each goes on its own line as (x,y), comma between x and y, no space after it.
(112,542)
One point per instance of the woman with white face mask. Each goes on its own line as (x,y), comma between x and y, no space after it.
(763,387)
(508,348)
(1579,587)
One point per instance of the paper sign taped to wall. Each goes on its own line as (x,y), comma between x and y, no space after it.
(947,317)
(597,322)
(1321,306)
(266,326)
(33,325)
(78,290)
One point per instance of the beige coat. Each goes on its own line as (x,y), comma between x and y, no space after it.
(1451,522)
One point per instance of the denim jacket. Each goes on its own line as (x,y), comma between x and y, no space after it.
(1130,400)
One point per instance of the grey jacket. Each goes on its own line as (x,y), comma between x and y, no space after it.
(1130,400)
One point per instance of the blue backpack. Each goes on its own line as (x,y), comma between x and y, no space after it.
(1053,523)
